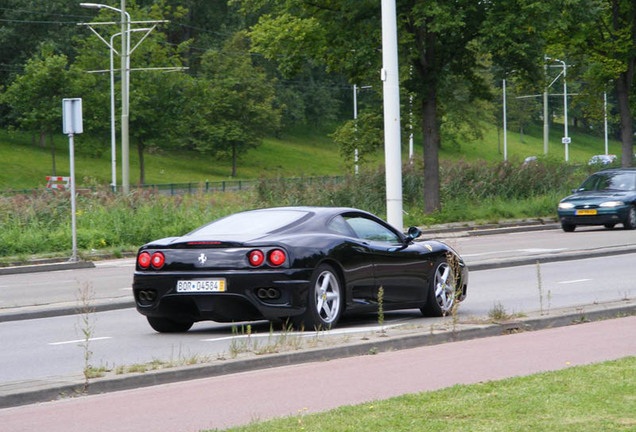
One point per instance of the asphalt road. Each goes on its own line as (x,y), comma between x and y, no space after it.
(237,399)
(123,337)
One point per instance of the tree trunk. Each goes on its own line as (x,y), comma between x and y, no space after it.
(627,123)
(52,151)
(142,166)
(233,160)
(430,131)
(43,139)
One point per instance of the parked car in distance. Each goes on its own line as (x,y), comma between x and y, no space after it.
(606,198)
(604,159)
(308,265)
(529,160)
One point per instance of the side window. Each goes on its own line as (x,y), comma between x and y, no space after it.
(368,229)
(339,225)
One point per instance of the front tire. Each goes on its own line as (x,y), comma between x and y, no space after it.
(325,300)
(166,325)
(442,290)
(630,220)
(568,227)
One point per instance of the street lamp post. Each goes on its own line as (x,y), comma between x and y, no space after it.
(566,138)
(112,107)
(125,84)
(355,125)
(505,123)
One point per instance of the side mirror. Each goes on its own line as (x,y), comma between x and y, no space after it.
(412,234)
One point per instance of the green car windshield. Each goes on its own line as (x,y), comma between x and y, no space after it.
(610,181)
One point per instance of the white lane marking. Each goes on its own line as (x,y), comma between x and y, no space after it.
(574,281)
(508,251)
(46,284)
(125,289)
(130,262)
(304,335)
(79,341)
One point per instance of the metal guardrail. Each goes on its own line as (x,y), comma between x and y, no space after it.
(201,187)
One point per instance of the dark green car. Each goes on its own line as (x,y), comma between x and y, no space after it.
(606,198)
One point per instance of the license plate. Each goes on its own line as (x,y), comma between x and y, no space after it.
(585,212)
(203,285)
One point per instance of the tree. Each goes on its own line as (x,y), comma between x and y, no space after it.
(34,99)
(229,108)
(439,42)
(27,24)
(602,34)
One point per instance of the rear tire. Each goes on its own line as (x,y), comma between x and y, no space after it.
(568,227)
(442,290)
(325,300)
(166,325)
(630,220)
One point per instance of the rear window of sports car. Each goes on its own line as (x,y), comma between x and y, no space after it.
(254,222)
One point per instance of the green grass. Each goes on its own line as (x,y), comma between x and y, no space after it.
(302,152)
(583,146)
(593,398)
(26,167)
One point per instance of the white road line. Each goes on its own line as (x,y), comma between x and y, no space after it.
(303,335)
(508,251)
(574,281)
(79,341)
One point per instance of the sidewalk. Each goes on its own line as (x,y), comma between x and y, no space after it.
(241,398)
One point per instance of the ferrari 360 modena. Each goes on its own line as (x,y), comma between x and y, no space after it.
(304,265)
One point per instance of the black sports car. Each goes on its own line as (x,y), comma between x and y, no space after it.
(305,264)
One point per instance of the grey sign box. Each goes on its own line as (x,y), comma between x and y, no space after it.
(72,116)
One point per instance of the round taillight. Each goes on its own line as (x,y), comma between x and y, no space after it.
(144,260)
(277,257)
(256,258)
(157,260)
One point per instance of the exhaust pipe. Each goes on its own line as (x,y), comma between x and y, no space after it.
(148,295)
(268,293)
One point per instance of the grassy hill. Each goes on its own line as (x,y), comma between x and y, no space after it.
(24,166)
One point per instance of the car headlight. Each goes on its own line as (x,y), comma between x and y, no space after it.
(566,205)
(612,204)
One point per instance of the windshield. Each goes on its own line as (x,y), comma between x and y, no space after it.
(620,181)
(253,222)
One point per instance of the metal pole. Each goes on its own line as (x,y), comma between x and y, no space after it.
(355,118)
(411,129)
(565,111)
(546,123)
(391,91)
(73,211)
(605,120)
(113,143)
(505,124)
(125,44)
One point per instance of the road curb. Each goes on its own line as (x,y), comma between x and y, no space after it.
(38,268)
(29,392)
(548,258)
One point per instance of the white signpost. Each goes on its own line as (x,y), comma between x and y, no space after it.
(71,125)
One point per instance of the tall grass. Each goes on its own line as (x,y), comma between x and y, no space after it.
(478,191)
(39,222)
